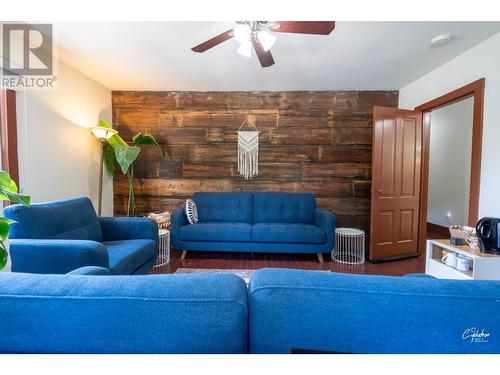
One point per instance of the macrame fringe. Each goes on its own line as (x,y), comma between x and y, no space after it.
(248,154)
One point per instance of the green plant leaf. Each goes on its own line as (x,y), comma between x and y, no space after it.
(115,139)
(126,155)
(109,158)
(7,182)
(8,195)
(4,228)
(147,139)
(104,124)
(8,192)
(3,255)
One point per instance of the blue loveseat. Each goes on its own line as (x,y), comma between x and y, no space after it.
(255,222)
(60,236)
(283,311)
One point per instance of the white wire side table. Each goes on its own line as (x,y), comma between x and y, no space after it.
(349,246)
(163,248)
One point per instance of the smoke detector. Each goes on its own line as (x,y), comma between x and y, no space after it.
(440,40)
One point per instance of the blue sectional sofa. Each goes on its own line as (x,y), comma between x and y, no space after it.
(283,311)
(310,311)
(202,313)
(60,236)
(255,222)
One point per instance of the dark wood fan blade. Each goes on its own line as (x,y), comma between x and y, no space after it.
(214,41)
(304,27)
(265,57)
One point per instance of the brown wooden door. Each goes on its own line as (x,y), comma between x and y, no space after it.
(397,148)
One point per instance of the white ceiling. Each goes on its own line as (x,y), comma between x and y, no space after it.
(357,55)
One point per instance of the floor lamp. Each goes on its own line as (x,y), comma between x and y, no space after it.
(102,135)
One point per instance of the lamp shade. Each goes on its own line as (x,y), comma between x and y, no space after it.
(102,134)
(245,49)
(266,39)
(242,33)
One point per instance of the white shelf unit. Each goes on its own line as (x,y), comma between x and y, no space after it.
(484,266)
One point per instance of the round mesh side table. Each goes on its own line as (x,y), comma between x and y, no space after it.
(163,248)
(349,246)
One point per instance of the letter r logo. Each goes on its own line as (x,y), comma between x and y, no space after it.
(27,49)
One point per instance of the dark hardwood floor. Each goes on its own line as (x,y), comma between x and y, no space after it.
(236,260)
(224,260)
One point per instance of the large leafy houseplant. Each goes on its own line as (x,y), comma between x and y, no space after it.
(8,192)
(117,151)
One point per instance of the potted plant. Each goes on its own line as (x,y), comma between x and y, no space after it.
(8,192)
(116,150)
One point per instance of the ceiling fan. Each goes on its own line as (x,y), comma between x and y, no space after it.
(256,34)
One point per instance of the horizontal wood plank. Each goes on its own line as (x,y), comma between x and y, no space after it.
(318,142)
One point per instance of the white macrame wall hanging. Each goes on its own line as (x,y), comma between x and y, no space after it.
(248,152)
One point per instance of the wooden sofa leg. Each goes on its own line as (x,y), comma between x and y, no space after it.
(320,257)
(183,255)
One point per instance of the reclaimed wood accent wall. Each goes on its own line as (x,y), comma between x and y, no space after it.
(319,142)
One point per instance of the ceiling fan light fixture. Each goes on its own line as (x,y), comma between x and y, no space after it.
(242,33)
(266,39)
(245,49)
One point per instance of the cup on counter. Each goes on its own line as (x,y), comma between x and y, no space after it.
(450,259)
(463,263)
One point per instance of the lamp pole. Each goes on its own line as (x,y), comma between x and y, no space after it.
(101,171)
(102,135)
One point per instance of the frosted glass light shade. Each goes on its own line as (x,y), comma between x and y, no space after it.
(242,33)
(102,134)
(245,49)
(266,39)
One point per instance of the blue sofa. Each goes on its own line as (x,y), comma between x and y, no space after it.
(58,237)
(310,311)
(255,222)
(283,311)
(189,313)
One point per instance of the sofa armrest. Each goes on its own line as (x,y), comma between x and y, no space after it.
(91,270)
(326,220)
(177,220)
(56,256)
(128,228)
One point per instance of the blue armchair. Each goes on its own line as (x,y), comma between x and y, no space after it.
(61,236)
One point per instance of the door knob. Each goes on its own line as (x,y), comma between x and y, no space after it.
(379,191)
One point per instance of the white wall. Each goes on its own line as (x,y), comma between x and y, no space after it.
(480,61)
(449,163)
(58,157)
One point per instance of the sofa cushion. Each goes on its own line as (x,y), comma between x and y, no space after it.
(127,256)
(220,232)
(271,207)
(71,219)
(288,233)
(224,207)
